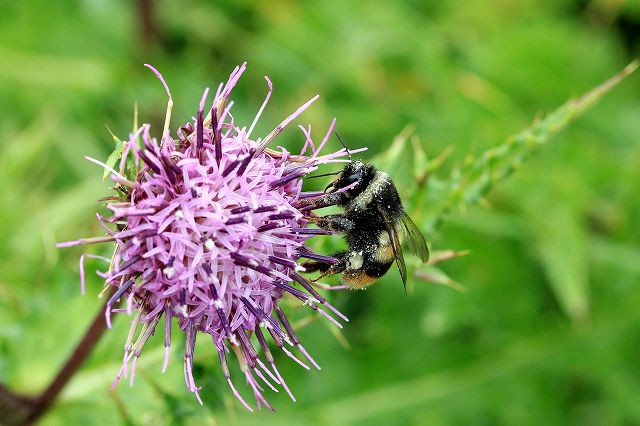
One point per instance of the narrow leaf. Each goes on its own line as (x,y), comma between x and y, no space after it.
(479,175)
(115,156)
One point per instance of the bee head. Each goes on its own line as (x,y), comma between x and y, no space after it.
(354,172)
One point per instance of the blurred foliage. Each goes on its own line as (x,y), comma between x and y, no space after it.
(547,328)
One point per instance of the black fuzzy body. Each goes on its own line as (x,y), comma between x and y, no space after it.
(363,223)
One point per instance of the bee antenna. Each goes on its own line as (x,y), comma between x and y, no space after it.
(323,175)
(344,145)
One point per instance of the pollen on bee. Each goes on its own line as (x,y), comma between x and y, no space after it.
(355,261)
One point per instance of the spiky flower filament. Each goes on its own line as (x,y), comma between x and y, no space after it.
(208,235)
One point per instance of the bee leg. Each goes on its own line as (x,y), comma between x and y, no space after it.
(320,202)
(312,266)
(322,265)
(333,222)
(336,268)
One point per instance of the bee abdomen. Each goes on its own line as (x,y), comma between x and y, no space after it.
(384,254)
(357,278)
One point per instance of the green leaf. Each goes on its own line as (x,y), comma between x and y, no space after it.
(479,174)
(561,244)
(115,156)
(434,275)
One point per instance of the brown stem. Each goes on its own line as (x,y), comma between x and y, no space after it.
(21,410)
(147,24)
(15,408)
(74,362)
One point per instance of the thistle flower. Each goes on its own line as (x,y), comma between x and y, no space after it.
(207,232)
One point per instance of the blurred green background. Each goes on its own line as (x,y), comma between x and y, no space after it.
(548,329)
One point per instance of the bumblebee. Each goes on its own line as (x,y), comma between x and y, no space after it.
(373,222)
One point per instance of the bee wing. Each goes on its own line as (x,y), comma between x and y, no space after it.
(395,244)
(415,240)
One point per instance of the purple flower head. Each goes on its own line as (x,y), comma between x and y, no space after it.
(207,232)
